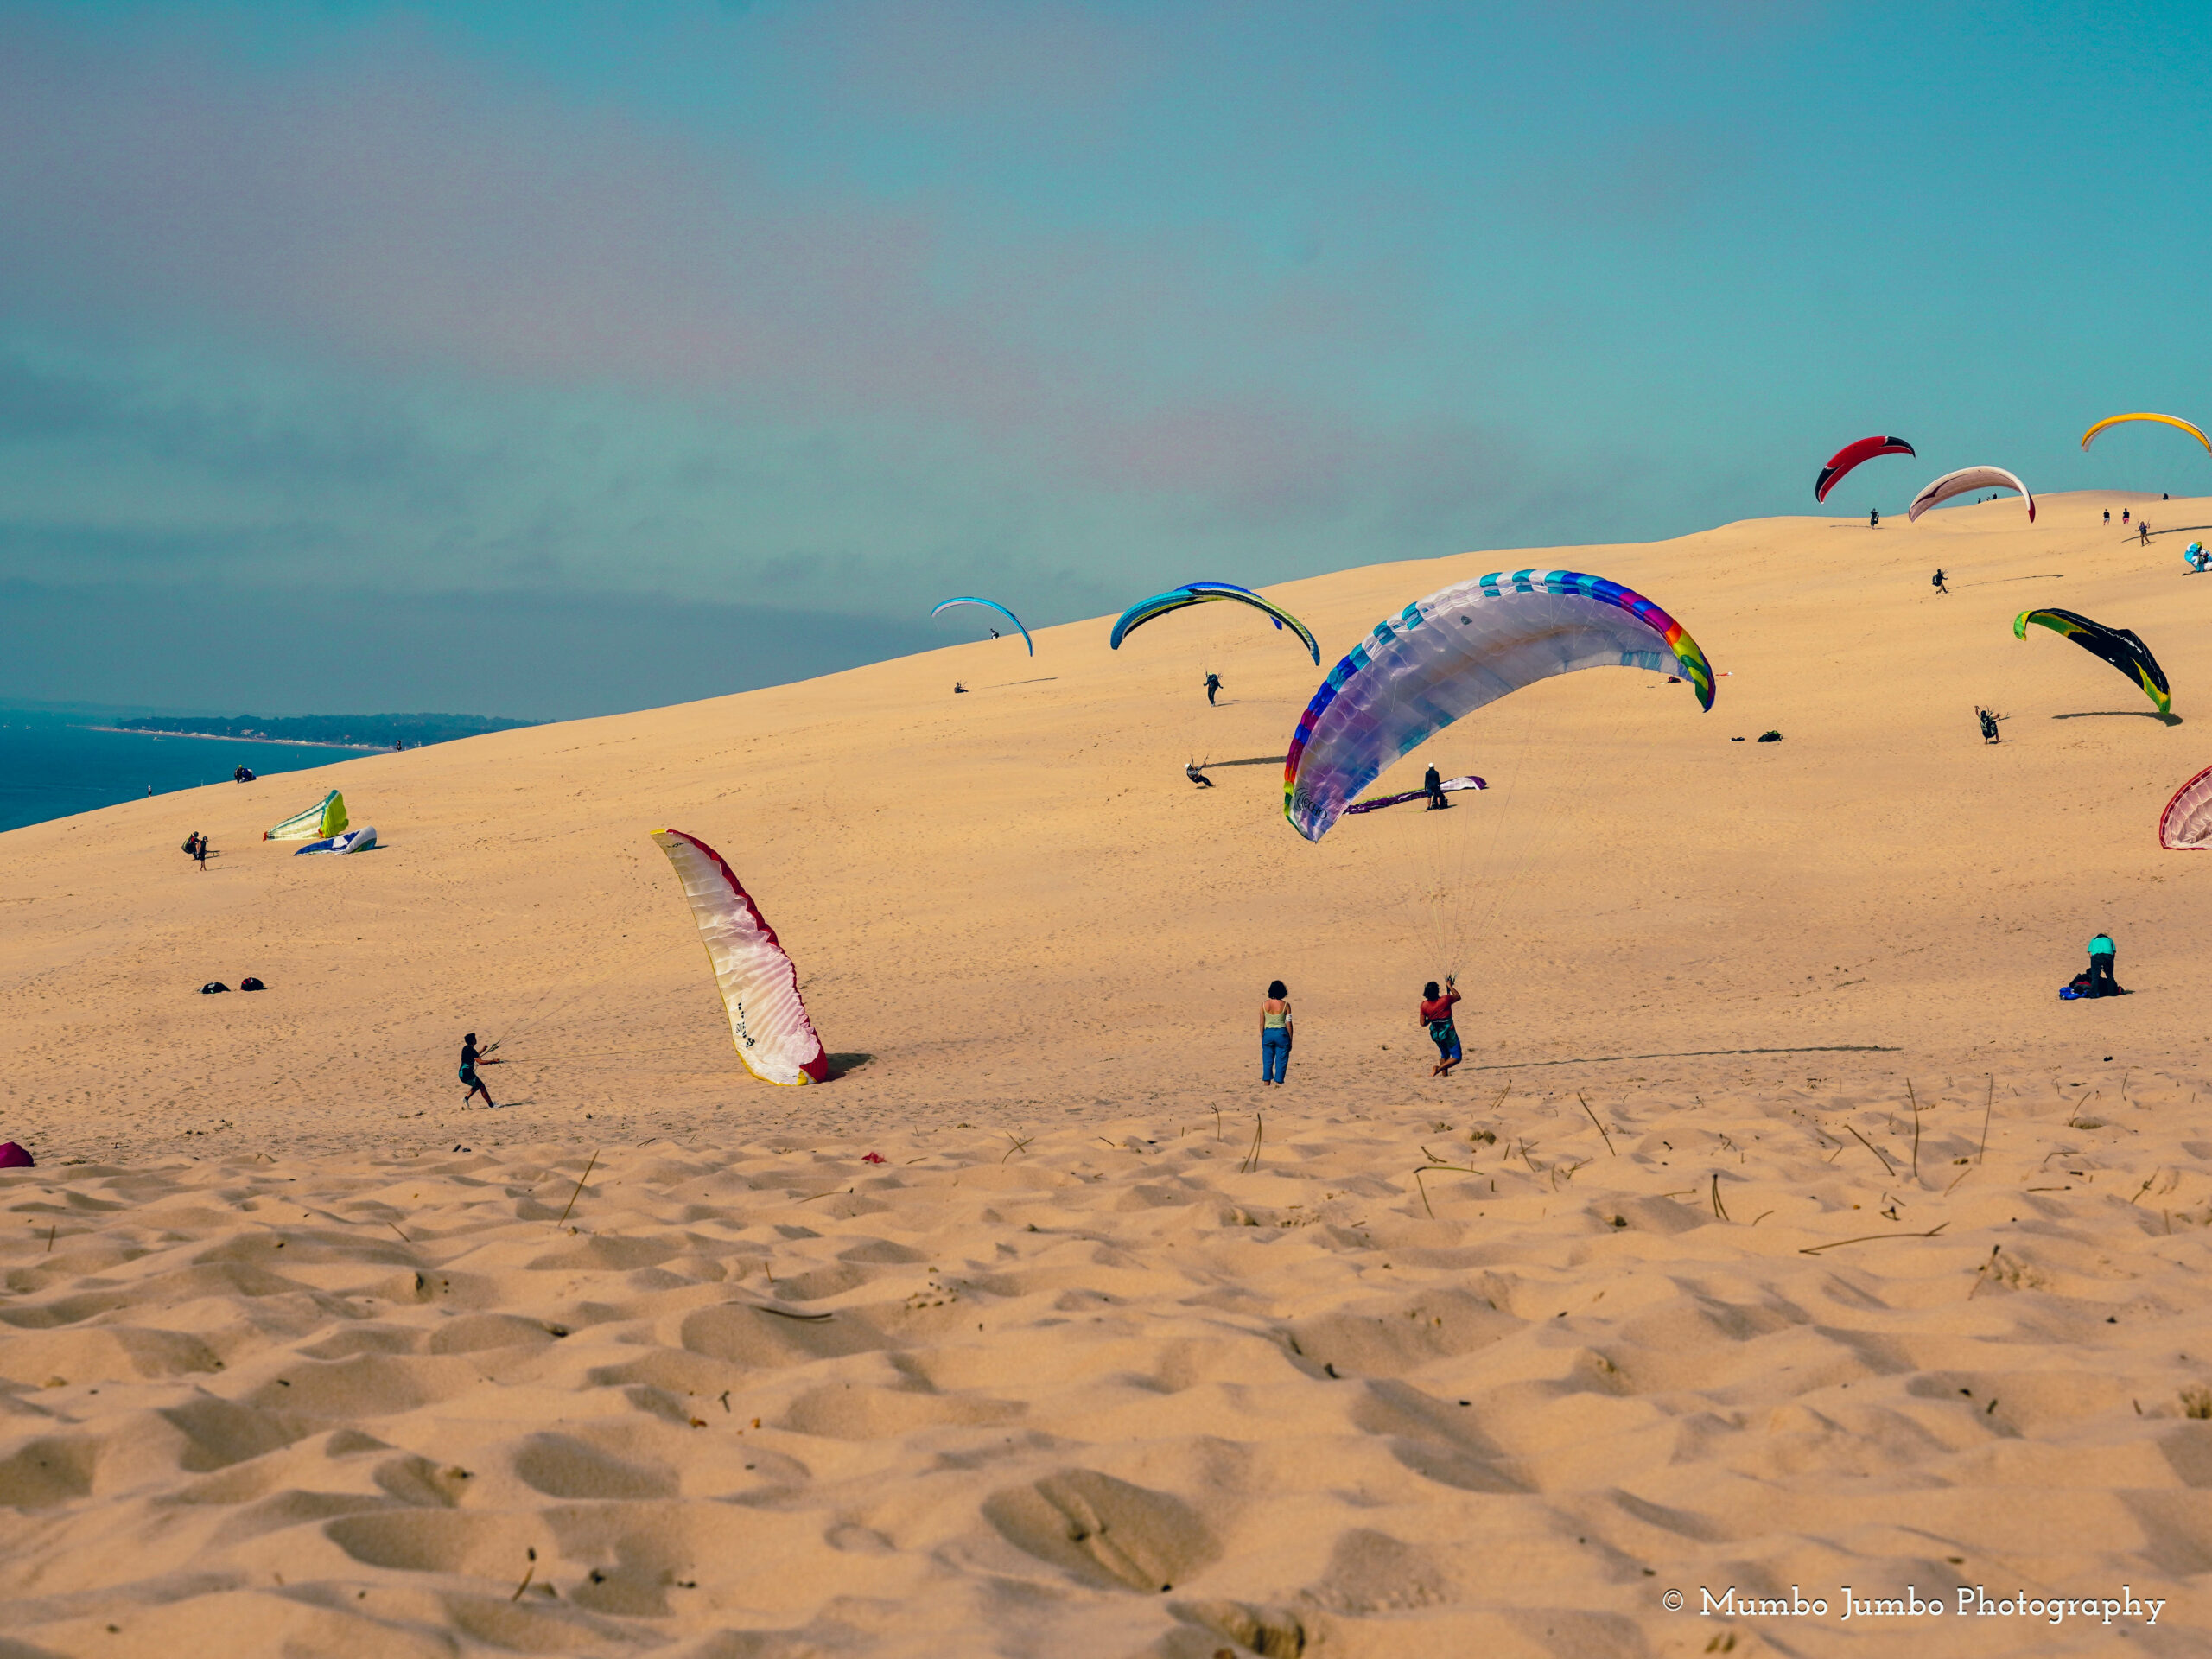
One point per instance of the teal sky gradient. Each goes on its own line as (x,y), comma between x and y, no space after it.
(758,328)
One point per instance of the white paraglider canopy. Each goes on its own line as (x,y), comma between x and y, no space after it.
(1969,478)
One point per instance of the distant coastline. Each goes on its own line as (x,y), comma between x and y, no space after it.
(233,737)
(366,733)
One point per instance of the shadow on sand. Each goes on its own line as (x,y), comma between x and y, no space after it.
(2122,713)
(843,1065)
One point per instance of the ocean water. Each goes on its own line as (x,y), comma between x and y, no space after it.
(54,765)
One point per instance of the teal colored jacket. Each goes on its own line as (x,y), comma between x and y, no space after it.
(2102,946)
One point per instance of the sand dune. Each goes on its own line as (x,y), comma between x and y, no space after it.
(297,1355)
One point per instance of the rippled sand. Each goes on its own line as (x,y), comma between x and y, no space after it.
(1122,1388)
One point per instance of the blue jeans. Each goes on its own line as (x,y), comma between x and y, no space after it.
(1274,1055)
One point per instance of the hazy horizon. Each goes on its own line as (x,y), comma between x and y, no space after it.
(554,362)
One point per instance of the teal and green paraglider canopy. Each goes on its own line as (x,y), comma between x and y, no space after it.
(1201,592)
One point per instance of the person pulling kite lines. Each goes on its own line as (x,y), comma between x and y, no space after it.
(1443,1031)
(471,1058)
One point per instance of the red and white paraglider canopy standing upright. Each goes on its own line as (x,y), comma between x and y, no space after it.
(759,984)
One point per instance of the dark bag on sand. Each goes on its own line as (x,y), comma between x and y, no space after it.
(2075,989)
(191,845)
(251,985)
(212,987)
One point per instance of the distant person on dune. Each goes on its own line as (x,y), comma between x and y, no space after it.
(1191,770)
(471,1058)
(2123,515)
(1443,1031)
(1988,723)
(1275,1034)
(958,687)
(1873,517)
(2108,515)
(1213,685)
(2143,532)
(243,775)
(1432,781)
(1936,582)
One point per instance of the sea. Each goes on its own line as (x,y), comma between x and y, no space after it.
(54,762)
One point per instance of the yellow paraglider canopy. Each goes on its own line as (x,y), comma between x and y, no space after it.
(2168,420)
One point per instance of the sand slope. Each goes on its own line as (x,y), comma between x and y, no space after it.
(272,1292)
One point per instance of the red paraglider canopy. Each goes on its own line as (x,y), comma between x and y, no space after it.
(1850,455)
(2186,824)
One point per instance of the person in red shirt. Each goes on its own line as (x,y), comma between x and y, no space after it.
(1436,1014)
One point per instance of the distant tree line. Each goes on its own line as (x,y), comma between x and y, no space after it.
(365,731)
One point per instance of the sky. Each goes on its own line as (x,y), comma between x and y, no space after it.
(546,360)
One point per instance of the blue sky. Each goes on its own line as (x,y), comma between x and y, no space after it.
(544,360)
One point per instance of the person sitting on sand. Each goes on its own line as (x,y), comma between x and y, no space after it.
(2102,954)
(1191,771)
(1436,1014)
(957,687)
(1274,1033)
(471,1058)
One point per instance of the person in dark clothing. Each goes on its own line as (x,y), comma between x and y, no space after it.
(200,851)
(957,687)
(1434,783)
(1936,582)
(2102,954)
(1873,517)
(1191,772)
(471,1058)
(243,775)
(1436,1014)
(1988,724)
(1213,685)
